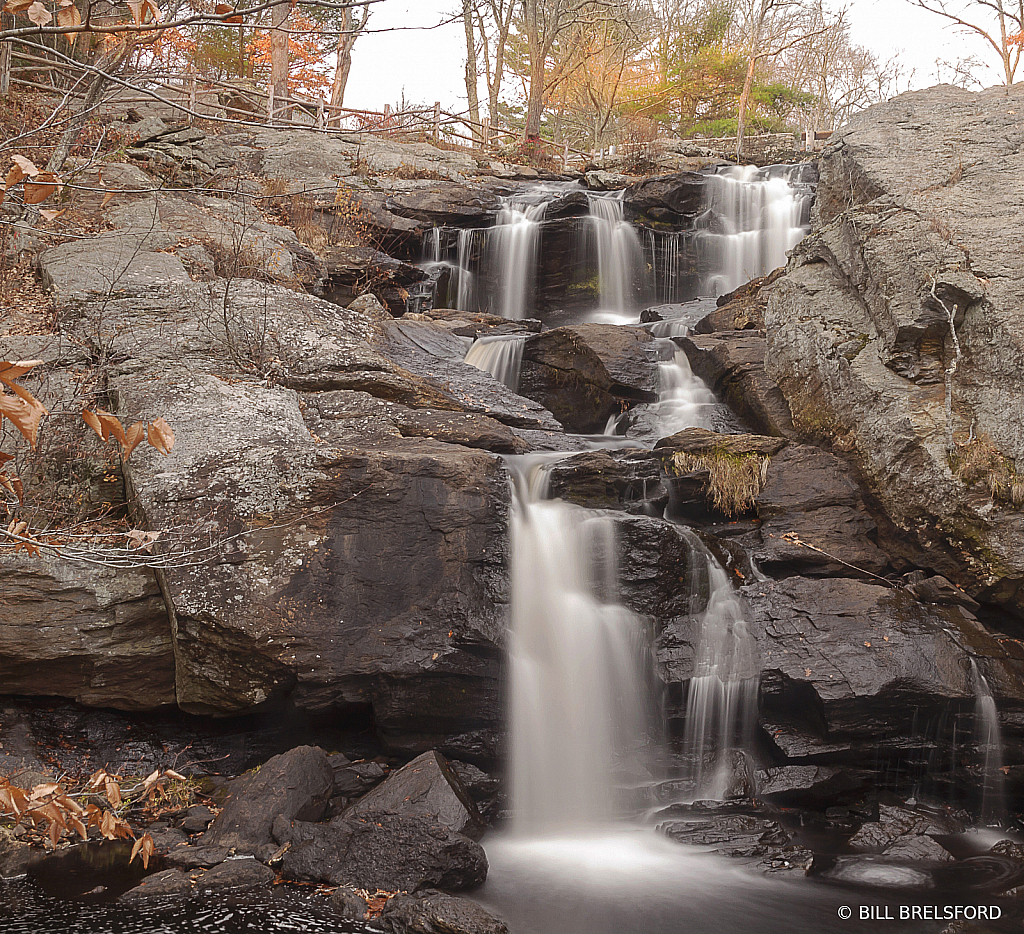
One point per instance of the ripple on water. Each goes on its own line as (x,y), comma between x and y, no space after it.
(25,909)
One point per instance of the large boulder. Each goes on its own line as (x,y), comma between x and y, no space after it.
(429,786)
(859,329)
(380,850)
(99,635)
(585,373)
(295,785)
(666,199)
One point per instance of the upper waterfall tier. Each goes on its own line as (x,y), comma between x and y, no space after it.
(567,255)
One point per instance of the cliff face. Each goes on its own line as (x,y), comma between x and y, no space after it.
(897,334)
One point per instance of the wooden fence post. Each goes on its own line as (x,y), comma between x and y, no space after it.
(485,133)
(6,19)
(270,104)
(192,100)
(437,121)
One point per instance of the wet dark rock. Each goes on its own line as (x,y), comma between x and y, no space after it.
(732,364)
(236,874)
(428,786)
(381,850)
(810,496)
(348,904)
(16,858)
(858,328)
(169,882)
(204,856)
(475,324)
(742,309)
(921,848)
(437,913)
(940,591)
(624,479)
(355,779)
(666,199)
(807,785)
(296,785)
(168,839)
(585,373)
(854,659)
(197,818)
(445,204)
(730,835)
(898,826)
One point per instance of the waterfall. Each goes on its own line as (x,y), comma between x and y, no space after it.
(501,356)
(576,661)
(762,212)
(619,254)
(721,708)
(988,740)
(514,243)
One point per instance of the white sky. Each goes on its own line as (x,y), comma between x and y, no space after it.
(428,64)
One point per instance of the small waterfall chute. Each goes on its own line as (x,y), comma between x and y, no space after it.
(619,254)
(499,355)
(721,708)
(989,743)
(514,243)
(577,662)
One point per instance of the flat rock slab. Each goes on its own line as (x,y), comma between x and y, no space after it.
(168,883)
(437,911)
(236,874)
(113,266)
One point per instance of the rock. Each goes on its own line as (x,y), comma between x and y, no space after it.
(197,818)
(236,874)
(856,654)
(741,309)
(428,786)
(598,180)
(666,199)
(98,635)
(446,205)
(381,851)
(115,265)
(858,328)
(354,780)
(16,858)
(584,373)
(168,839)
(169,882)
(917,849)
(624,479)
(732,365)
(295,785)
(349,905)
(898,831)
(437,913)
(204,856)
(730,835)
(936,589)
(809,494)
(807,786)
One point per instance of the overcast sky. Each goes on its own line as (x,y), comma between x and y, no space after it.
(427,64)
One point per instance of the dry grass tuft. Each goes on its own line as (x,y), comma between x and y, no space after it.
(734,480)
(978,461)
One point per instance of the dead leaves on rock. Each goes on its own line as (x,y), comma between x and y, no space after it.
(158,433)
(38,184)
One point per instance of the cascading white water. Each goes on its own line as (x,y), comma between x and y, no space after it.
(721,708)
(500,355)
(764,213)
(576,662)
(619,254)
(989,742)
(514,243)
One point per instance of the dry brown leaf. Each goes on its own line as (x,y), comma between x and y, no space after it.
(39,14)
(41,187)
(15,369)
(48,215)
(112,426)
(107,198)
(13,484)
(154,10)
(92,420)
(68,16)
(135,433)
(25,164)
(160,436)
(221,8)
(137,7)
(17,6)
(144,846)
(24,414)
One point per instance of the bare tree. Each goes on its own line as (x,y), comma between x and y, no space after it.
(771,27)
(998,22)
(472,73)
(351,29)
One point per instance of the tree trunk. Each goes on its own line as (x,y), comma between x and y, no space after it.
(741,118)
(346,39)
(535,105)
(92,97)
(279,59)
(471,70)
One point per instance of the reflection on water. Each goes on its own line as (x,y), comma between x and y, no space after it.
(24,909)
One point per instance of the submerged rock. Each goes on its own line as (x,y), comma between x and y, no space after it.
(437,913)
